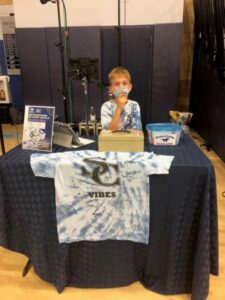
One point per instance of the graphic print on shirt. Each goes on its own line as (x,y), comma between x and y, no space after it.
(101,195)
(100,174)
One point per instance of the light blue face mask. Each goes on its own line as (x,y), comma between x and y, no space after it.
(120,91)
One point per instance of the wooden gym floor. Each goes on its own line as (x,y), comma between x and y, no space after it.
(15,287)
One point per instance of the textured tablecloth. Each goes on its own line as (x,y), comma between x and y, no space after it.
(183,246)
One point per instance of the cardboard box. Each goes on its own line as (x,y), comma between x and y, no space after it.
(120,141)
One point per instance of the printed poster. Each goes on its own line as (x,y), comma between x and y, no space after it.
(38,128)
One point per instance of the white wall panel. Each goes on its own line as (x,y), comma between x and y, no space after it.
(140,12)
(5,10)
(31,13)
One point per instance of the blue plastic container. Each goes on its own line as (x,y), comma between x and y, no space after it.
(164,134)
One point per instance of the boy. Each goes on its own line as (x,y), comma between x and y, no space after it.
(120,113)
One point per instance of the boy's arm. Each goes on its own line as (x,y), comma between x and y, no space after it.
(114,124)
(108,120)
(121,102)
(136,117)
(106,114)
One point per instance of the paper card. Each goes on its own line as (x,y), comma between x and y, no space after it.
(38,128)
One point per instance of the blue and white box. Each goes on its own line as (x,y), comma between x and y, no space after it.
(164,134)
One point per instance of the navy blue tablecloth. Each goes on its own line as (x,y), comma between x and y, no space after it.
(183,246)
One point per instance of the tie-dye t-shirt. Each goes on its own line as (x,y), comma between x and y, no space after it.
(130,117)
(101,195)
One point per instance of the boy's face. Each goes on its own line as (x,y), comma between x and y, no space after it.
(118,82)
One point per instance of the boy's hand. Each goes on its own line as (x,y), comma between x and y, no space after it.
(121,101)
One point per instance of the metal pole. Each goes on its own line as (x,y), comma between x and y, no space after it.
(85,86)
(61,47)
(119,36)
(219,28)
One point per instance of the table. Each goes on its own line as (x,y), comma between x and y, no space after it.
(183,247)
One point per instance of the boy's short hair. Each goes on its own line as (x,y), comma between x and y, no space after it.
(119,71)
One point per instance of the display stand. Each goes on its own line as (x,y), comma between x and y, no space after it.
(86,70)
(61,47)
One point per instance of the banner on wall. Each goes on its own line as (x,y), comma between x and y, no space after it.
(38,128)
(9,40)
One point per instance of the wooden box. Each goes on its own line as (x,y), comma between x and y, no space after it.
(121,141)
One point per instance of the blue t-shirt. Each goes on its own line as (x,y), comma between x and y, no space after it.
(101,195)
(130,117)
